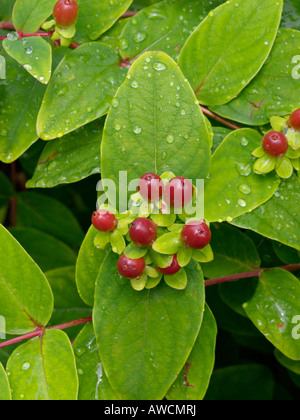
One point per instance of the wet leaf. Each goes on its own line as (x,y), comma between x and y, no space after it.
(40,368)
(152,331)
(273,307)
(274,91)
(220,69)
(70,101)
(26,299)
(233,188)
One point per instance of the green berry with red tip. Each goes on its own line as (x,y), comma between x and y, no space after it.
(294,120)
(275,144)
(65,13)
(130,269)
(104,221)
(143,232)
(172,269)
(196,235)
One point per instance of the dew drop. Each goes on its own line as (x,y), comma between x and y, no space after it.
(135,84)
(26,366)
(245,189)
(139,37)
(170,139)
(159,66)
(27,67)
(242,203)
(137,130)
(244,141)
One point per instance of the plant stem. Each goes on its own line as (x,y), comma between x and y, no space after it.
(128,14)
(249,274)
(7,25)
(222,120)
(40,331)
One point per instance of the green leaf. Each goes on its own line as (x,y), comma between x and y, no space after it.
(165,26)
(232,188)
(291,14)
(273,308)
(278,218)
(236,293)
(26,299)
(220,69)
(17,122)
(134,252)
(265,164)
(97,17)
(184,256)
(70,101)
(234,252)
(50,216)
(41,368)
(177,281)
(69,159)
(292,365)
(220,133)
(93,383)
(229,319)
(248,382)
(285,253)
(34,54)
(193,380)
(6,8)
(164,220)
(117,242)
(88,264)
(5,392)
(204,255)
(141,138)
(160,260)
(150,332)
(47,251)
(274,91)
(28,15)
(67,302)
(6,191)
(285,168)
(169,243)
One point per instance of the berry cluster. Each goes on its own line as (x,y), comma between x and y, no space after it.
(280,149)
(155,244)
(65,14)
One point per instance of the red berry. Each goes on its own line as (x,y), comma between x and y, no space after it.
(151,187)
(178,192)
(130,269)
(172,269)
(65,13)
(275,144)
(143,232)
(104,220)
(196,235)
(294,120)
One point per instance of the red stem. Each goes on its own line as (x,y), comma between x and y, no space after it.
(40,331)
(222,120)
(128,14)
(255,273)
(7,25)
